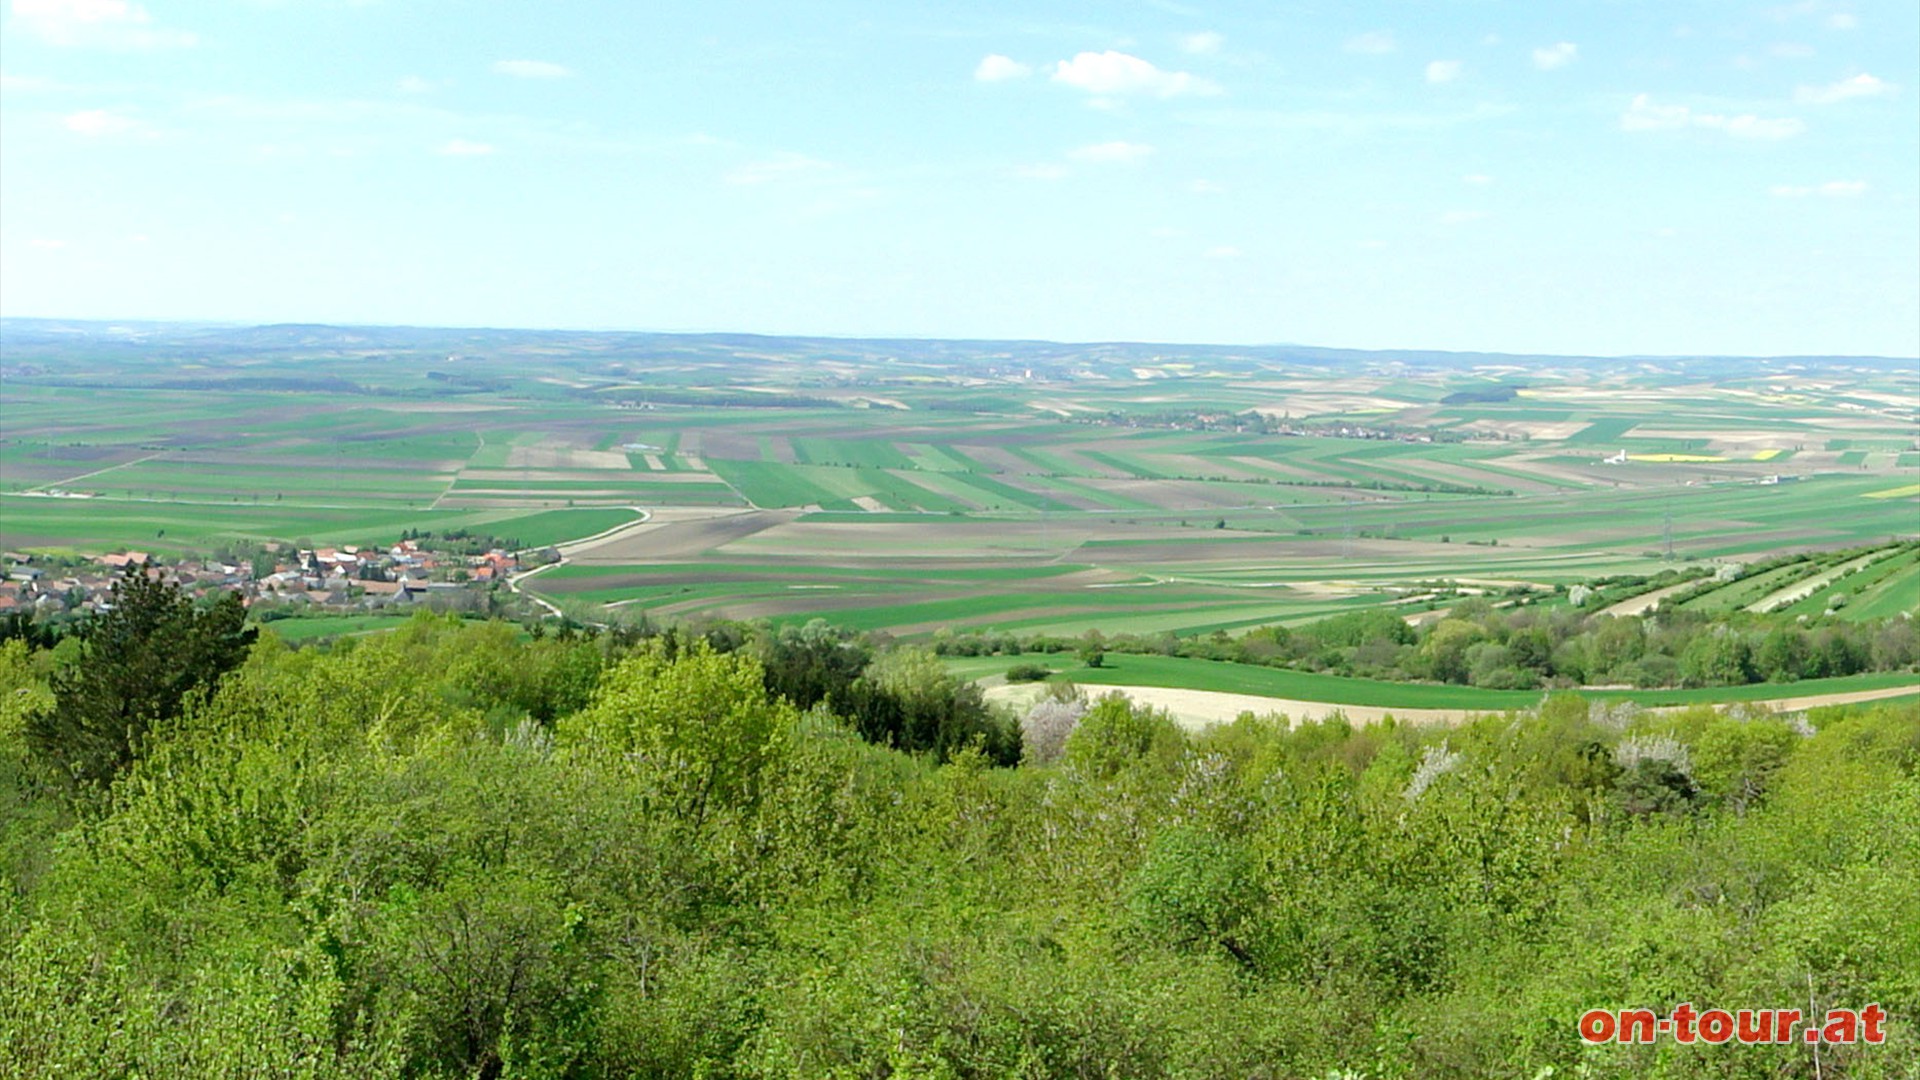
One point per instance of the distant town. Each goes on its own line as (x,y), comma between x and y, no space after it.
(277,580)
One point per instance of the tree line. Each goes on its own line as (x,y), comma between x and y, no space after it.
(1476,642)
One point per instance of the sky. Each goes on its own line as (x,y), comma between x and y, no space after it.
(1575,177)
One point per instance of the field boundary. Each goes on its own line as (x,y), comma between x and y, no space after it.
(1198,709)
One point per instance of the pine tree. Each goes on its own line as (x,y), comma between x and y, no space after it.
(141,659)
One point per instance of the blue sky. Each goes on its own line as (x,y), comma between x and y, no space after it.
(1574,177)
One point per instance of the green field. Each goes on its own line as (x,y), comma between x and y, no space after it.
(106,524)
(1171,488)
(1183,673)
(315,627)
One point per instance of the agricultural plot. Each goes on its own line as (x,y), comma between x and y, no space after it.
(1893,589)
(1009,484)
(92,525)
(1119,669)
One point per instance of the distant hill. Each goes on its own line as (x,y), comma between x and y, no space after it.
(28,340)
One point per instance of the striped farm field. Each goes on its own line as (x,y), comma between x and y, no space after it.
(1892,592)
(1883,588)
(869,452)
(909,486)
(104,524)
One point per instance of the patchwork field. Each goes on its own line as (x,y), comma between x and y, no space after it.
(916,486)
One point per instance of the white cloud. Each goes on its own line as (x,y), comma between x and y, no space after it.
(1443,71)
(1043,171)
(1753,127)
(1373,43)
(1832,189)
(464,148)
(1859,86)
(1167,232)
(1461,217)
(109,24)
(1841,20)
(1205,187)
(786,166)
(1549,57)
(531,69)
(1118,73)
(1204,43)
(1644,115)
(414,84)
(1111,152)
(1477,179)
(1223,251)
(997,68)
(1373,245)
(97,123)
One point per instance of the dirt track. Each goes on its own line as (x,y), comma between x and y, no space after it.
(1646,601)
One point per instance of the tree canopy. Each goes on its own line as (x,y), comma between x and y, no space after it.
(455,851)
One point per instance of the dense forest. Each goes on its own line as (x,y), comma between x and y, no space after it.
(462,850)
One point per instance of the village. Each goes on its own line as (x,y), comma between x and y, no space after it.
(279,581)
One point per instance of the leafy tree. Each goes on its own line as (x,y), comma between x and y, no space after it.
(908,700)
(21,626)
(1734,759)
(700,724)
(1654,786)
(1446,649)
(1360,627)
(1716,659)
(1093,649)
(141,660)
(1116,733)
(812,663)
(1782,655)
(1198,890)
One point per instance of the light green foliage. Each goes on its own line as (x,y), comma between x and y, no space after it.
(380,861)
(700,723)
(1116,734)
(1198,890)
(23,694)
(1445,649)
(1735,759)
(29,819)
